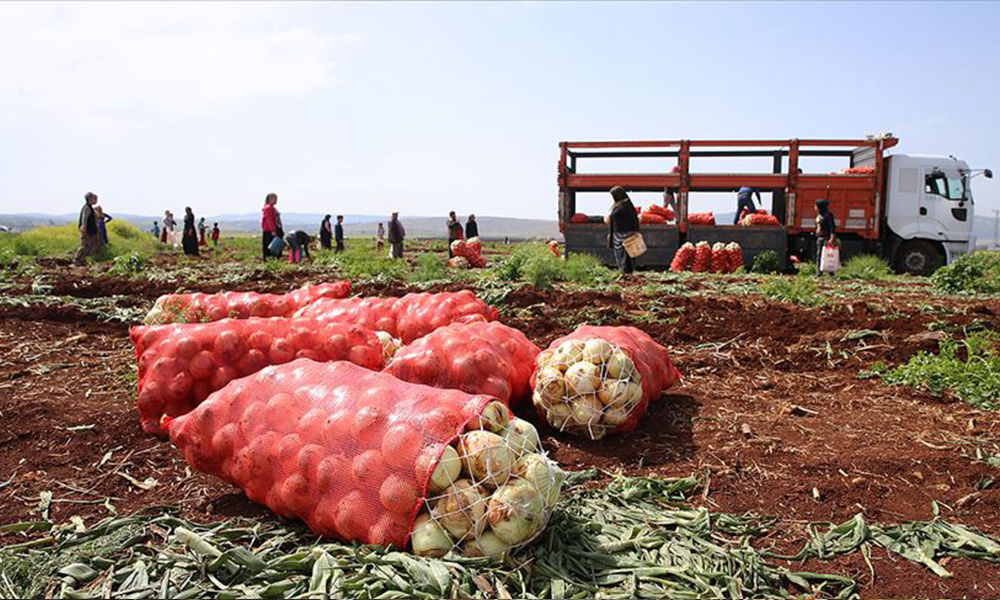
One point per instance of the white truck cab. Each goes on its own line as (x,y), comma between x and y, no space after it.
(929,210)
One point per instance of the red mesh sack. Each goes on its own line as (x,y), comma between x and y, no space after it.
(702,258)
(202,308)
(408,318)
(759,220)
(579,218)
(181,364)
(663,211)
(600,380)
(478,358)
(652,218)
(458,262)
(720,258)
(734,257)
(358,455)
(683,258)
(701,218)
(470,250)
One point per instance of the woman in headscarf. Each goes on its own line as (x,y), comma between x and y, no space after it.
(269,224)
(325,233)
(190,236)
(623,222)
(202,232)
(168,226)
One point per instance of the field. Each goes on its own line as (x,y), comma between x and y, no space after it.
(784,412)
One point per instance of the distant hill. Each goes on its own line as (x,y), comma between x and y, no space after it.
(422,227)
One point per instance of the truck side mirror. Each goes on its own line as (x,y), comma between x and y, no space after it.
(988,173)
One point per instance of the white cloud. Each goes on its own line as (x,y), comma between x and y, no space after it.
(103,61)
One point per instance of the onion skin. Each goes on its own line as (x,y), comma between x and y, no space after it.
(523,437)
(583,378)
(446,470)
(493,418)
(550,385)
(597,351)
(543,474)
(461,510)
(516,512)
(486,457)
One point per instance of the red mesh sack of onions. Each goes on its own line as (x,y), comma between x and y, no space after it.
(652,219)
(408,318)
(600,380)
(701,218)
(720,258)
(362,456)
(478,358)
(579,218)
(759,220)
(470,250)
(702,258)
(458,262)
(683,258)
(734,258)
(181,364)
(202,308)
(665,212)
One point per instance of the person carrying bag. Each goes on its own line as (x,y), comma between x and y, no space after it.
(827,244)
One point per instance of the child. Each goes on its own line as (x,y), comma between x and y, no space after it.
(215,234)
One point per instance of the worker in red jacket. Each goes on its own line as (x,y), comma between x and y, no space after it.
(269,222)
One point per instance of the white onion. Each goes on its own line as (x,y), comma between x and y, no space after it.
(486,457)
(612,392)
(523,437)
(429,538)
(569,353)
(583,378)
(614,417)
(494,417)
(448,468)
(487,544)
(516,512)
(557,415)
(550,385)
(586,410)
(597,351)
(541,473)
(620,366)
(461,509)
(545,358)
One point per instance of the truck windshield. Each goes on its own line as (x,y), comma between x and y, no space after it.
(952,188)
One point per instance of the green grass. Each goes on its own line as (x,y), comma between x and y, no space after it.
(968,368)
(867,267)
(766,262)
(977,273)
(800,289)
(123,238)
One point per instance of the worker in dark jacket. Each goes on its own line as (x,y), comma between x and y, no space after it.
(744,200)
(454,231)
(298,244)
(623,222)
(338,234)
(397,233)
(826,229)
(471,228)
(90,237)
(325,233)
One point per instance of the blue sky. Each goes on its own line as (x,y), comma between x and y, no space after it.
(424,107)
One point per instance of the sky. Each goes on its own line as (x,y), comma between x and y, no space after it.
(365,108)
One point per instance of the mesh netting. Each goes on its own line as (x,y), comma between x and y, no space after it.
(702,258)
(201,308)
(720,258)
(600,380)
(735,256)
(478,358)
(359,455)
(683,258)
(471,251)
(408,318)
(181,364)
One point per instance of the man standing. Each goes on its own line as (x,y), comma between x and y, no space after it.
(90,239)
(155,230)
(396,236)
(338,234)
(744,201)
(471,228)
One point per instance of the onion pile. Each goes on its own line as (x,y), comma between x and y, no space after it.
(489,492)
(471,251)
(586,387)
(707,218)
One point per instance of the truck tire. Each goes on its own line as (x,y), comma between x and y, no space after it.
(918,257)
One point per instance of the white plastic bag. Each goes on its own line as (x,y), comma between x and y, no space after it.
(830,260)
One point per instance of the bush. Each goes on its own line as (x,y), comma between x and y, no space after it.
(537,265)
(977,273)
(766,262)
(540,270)
(867,267)
(127,264)
(587,268)
(123,238)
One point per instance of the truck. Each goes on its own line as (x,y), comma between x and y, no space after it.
(915,211)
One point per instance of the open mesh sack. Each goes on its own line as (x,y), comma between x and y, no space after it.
(201,308)
(478,358)
(408,318)
(600,380)
(181,364)
(362,456)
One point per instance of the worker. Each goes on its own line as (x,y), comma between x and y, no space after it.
(338,234)
(155,230)
(744,201)
(669,195)
(471,228)
(454,231)
(623,222)
(826,228)
(396,236)
(90,237)
(215,235)
(325,233)
(298,244)
(269,225)
(102,224)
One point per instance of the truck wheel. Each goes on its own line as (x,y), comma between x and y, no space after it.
(918,257)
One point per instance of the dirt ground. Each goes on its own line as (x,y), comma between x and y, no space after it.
(770,413)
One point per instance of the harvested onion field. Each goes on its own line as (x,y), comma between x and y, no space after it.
(727,487)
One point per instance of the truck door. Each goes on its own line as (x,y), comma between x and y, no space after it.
(945,202)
